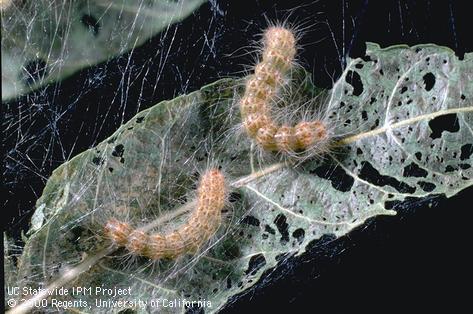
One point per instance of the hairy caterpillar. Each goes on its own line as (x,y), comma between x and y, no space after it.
(4,4)
(279,49)
(188,238)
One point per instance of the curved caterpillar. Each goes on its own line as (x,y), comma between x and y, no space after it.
(188,238)
(278,56)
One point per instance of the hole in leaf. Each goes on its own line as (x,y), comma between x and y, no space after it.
(299,234)
(449,168)
(426,186)
(466,151)
(354,79)
(251,220)
(375,124)
(97,161)
(75,234)
(281,223)
(413,170)
(118,151)
(255,263)
(91,23)
(448,122)
(234,197)
(429,81)
(370,174)
(268,229)
(340,180)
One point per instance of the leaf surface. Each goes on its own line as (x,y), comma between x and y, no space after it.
(44,41)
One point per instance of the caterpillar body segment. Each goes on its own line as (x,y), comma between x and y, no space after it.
(265,136)
(117,231)
(307,133)
(202,224)
(285,138)
(137,242)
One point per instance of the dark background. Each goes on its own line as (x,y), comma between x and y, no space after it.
(418,259)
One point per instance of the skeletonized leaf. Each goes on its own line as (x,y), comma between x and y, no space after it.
(385,107)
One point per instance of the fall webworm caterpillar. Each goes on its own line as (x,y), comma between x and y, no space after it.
(279,49)
(5,4)
(188,238)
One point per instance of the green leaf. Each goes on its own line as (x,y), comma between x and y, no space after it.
(44,41)
(385,107)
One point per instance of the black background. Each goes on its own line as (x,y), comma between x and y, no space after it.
(418,259)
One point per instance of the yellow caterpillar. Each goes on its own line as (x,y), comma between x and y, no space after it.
(279,49)
(188,238)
